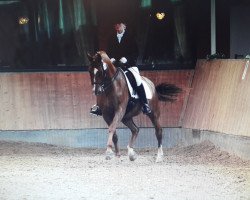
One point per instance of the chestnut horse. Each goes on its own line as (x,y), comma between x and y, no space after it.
(113,96)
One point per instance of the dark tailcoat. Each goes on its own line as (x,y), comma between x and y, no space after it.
(126,48)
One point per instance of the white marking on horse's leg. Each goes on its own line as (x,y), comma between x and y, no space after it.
(109,153)
(131,153)
(159,155)
(130,149)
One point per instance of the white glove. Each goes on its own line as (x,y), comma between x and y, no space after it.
(123,60)
(112,60)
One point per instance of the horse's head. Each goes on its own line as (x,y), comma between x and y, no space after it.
(97,70)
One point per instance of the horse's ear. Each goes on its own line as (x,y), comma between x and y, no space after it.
(90,57)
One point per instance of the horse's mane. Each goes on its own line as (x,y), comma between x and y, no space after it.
(105,57)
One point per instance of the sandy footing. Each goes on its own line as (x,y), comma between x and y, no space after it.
(39,172)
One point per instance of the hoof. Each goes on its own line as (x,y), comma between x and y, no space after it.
(109,155)
(132,156)
(159,159)
(118,155)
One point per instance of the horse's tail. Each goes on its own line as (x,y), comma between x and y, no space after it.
(167,92)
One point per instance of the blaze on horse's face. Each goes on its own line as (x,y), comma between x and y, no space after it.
(96,71)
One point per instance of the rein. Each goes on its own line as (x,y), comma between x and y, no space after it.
(106,83)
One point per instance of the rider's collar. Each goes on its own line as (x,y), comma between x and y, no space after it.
(119,35)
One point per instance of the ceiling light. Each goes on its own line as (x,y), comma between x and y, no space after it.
(160,16)
(23,20)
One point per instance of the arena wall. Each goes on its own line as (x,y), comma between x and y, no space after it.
(42,101)
(219,100)
(54,108)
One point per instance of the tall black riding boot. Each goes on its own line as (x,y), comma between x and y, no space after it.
(96,110)
(143,99)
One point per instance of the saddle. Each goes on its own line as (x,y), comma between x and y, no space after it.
(132,84)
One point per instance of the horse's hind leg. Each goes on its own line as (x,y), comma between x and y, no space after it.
(154,117)
(115,141)
(134,130)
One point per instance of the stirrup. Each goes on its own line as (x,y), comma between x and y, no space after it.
(146,109)
(95,110)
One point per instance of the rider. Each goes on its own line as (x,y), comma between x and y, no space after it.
(123,51)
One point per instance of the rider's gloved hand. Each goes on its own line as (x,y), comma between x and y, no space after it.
(123,60)
(112,60)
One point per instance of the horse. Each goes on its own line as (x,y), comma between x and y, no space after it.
(113,97)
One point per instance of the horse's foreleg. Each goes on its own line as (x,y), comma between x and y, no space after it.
(109,151)
(112,132)
(134,130)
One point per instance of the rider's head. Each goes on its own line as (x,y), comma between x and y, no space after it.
(120,27)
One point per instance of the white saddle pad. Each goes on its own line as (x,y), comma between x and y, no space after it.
(134,94)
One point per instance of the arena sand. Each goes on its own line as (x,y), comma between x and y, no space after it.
(31,171)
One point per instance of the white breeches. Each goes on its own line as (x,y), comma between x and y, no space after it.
(135,71)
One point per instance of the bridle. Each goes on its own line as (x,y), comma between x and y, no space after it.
(106,82)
